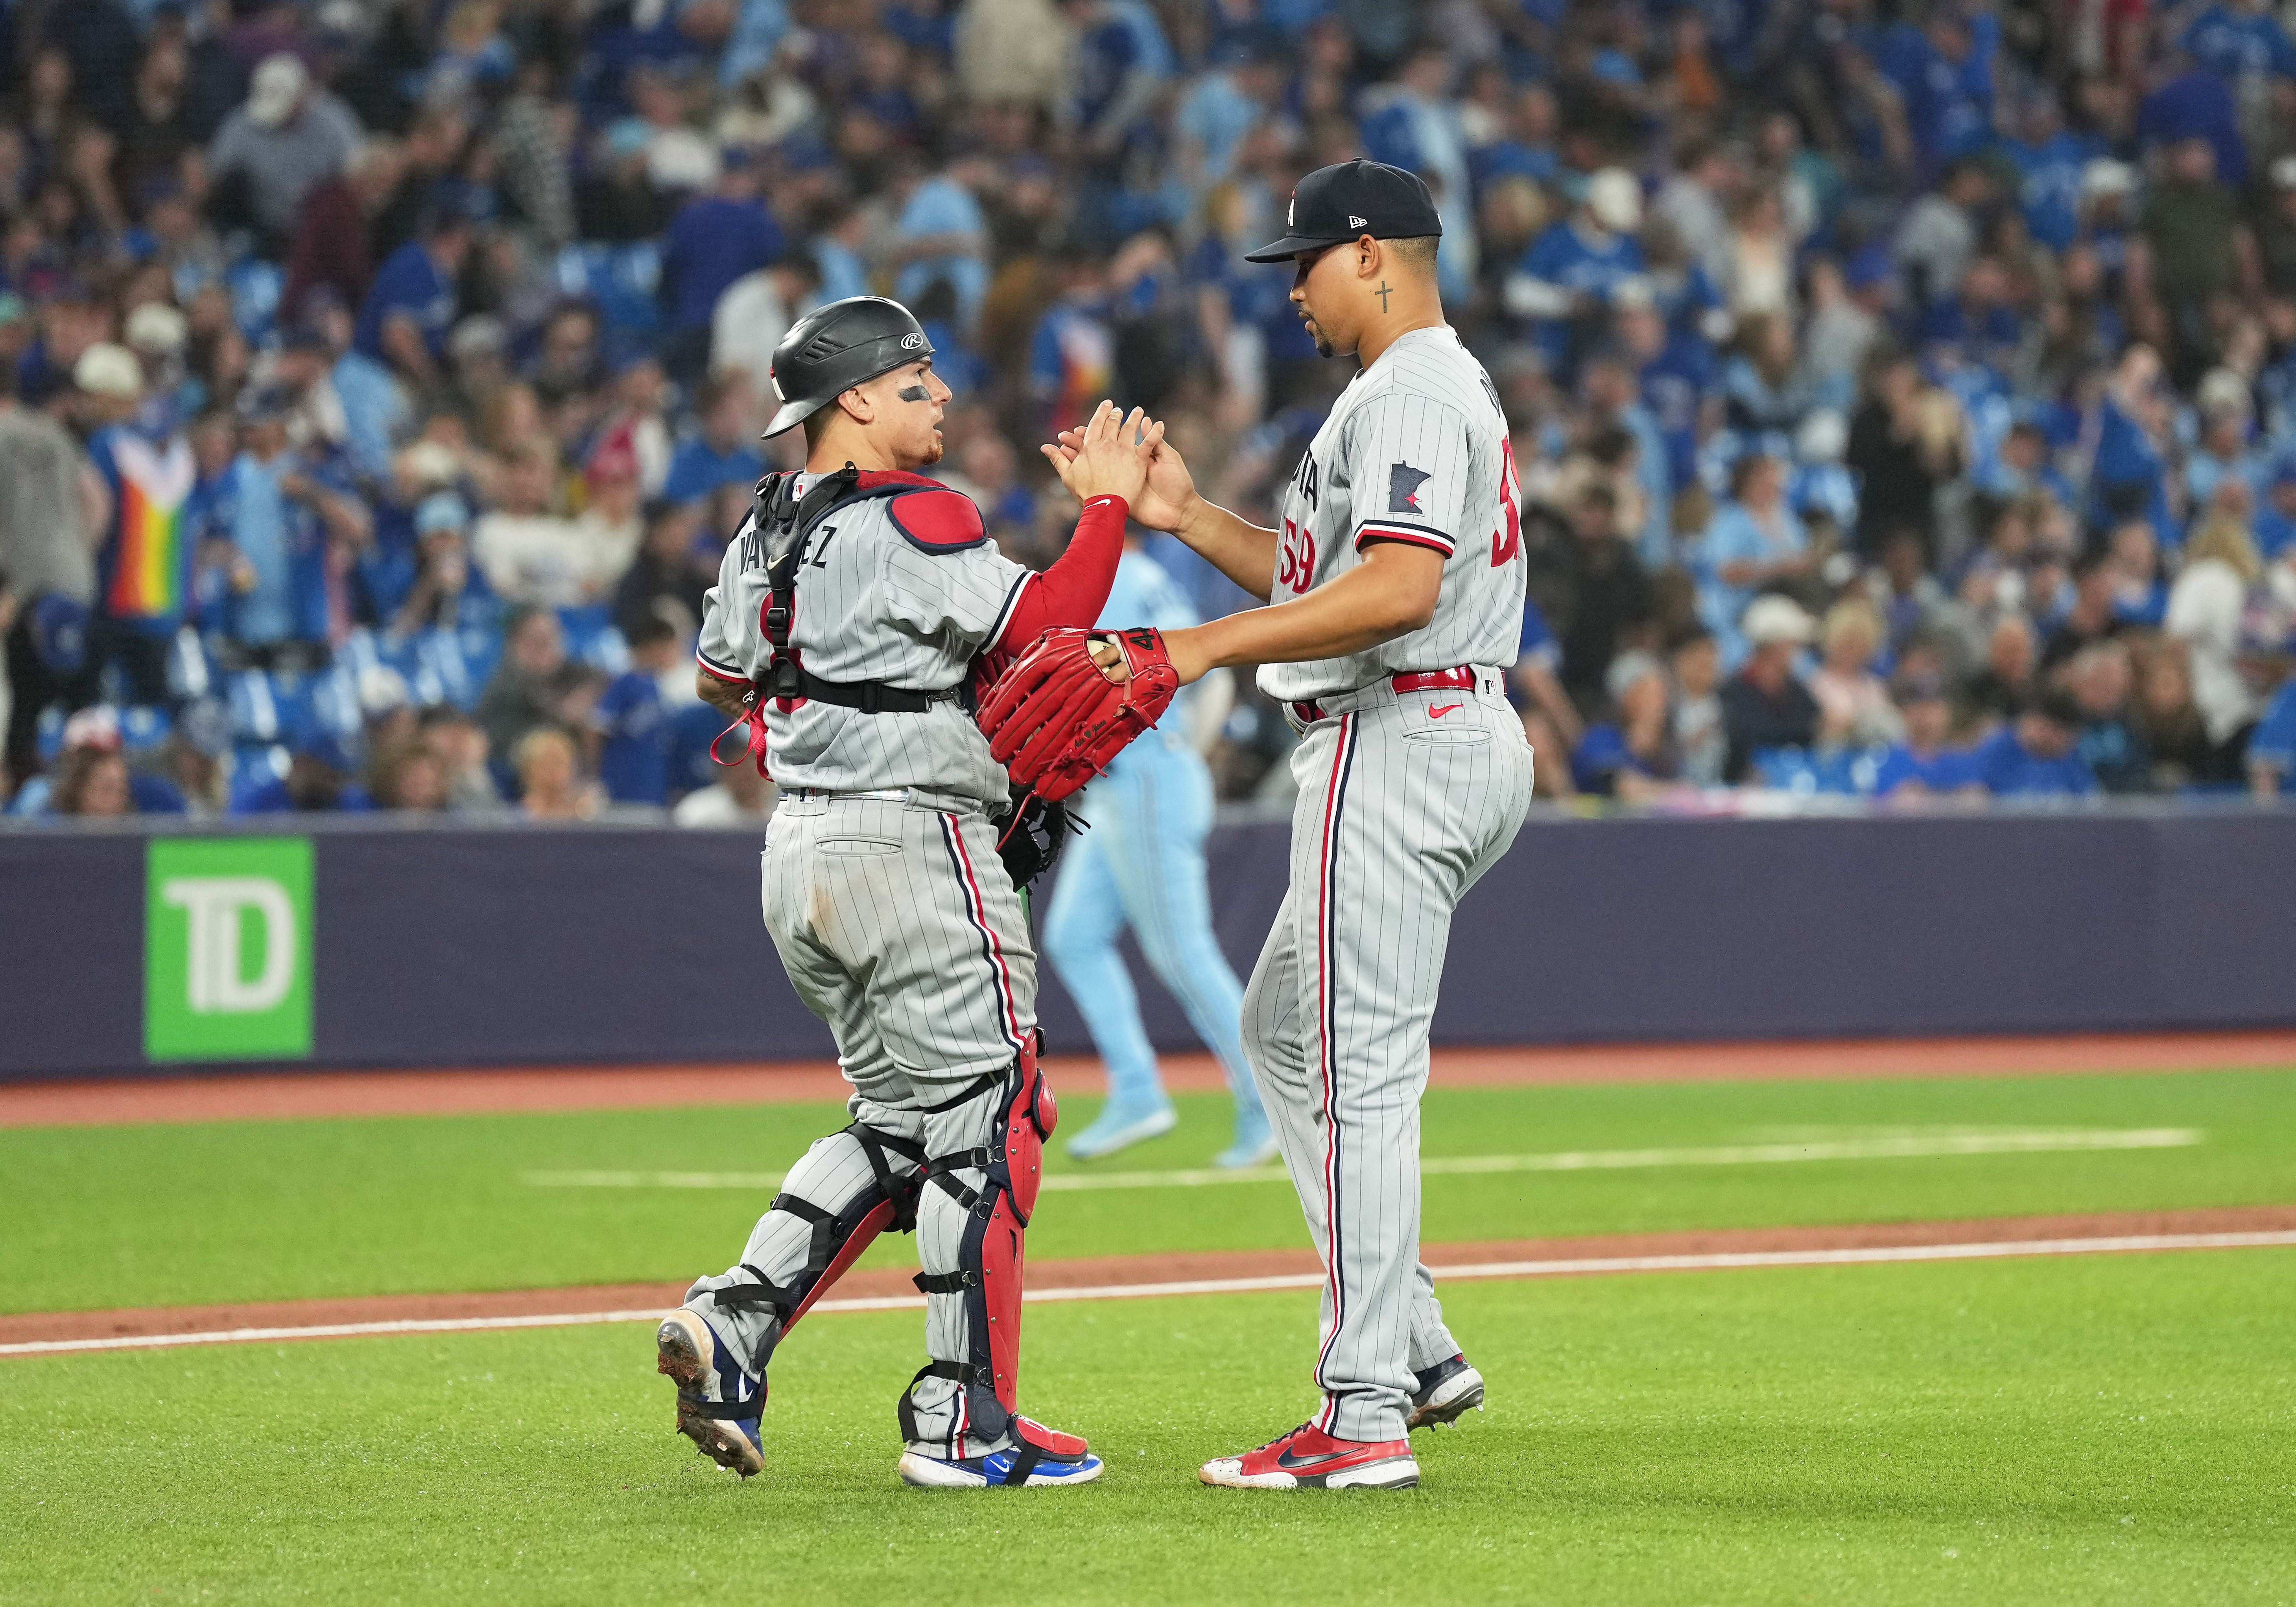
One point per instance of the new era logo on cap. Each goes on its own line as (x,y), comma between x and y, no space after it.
(1348,199)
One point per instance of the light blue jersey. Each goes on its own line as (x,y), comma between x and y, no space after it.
(1141,864)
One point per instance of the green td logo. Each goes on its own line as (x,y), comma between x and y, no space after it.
(227,948)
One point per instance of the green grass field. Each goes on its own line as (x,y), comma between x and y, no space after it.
(102,1216)
(2107,1428)
(2074,1430)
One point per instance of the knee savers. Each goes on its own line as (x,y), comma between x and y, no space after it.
(841,1232)
(989,1275)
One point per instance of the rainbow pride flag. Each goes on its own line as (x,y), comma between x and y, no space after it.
(151,565)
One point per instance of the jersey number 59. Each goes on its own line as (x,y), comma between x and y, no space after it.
(1506,542)
(1297,571)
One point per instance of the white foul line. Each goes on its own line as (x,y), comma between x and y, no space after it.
(1716,1261)
(1901,1146)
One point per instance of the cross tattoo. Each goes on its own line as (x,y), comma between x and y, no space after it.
(1382,295)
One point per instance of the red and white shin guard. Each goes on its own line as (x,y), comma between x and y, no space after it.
(988,1273)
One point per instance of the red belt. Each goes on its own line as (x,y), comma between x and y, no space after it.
(1461,679)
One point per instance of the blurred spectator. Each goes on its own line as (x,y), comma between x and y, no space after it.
(2207,607)
(91,781)
(288,137)
(1854,705)
(410,305)
(2272,747)
(2169,722)
(1765,705)
(408,776)
(2006,683)
(1754,542)
(459,743)
(2037,754)
(738,797)
(529,687)
(46,536)
(2101,680)
(713,241)
(291,538)
(550,785)
(720,453)
(629,720)
(143,563)
(1603,597)
(1633,757)
(1701,737)
(1921,760)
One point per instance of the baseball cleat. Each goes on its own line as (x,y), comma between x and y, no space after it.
(1446,1392)
(709,1388)
(1254,1144)
(1307,1458)
(1120,1127)
(1044,1457)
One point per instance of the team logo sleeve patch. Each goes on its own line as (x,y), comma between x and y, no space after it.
(1403,483)
(939,520)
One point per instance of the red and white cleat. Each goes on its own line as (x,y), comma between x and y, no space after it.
(1307,1458)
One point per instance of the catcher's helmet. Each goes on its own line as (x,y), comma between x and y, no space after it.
(834,349)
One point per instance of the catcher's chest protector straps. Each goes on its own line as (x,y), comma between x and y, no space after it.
(784,531)
(996,1233)
(841,1232)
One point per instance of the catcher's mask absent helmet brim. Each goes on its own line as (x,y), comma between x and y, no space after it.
(821,370)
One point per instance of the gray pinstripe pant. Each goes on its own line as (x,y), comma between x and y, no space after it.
(899,928)
(1400,813)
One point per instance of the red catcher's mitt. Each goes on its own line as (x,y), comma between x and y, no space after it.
(1054,718)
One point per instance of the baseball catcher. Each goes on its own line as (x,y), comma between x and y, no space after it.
(849,618)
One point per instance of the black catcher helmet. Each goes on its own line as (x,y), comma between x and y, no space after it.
(834,349)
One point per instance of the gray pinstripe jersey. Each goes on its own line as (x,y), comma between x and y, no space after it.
(902,588)
(1414,450)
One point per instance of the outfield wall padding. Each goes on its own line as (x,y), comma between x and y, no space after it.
(499,946)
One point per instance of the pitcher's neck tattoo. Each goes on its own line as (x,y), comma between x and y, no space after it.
(1382,295)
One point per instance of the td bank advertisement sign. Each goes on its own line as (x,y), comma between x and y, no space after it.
(227,948)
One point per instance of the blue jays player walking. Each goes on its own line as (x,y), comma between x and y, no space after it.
(1395,585)
(1142,862)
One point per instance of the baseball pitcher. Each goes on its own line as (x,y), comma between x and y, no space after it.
(847,617)
(1397,584)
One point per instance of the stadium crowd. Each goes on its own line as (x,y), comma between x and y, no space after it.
(1904,394)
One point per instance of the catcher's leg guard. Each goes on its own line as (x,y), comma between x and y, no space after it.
(847,1189)
(989,1240)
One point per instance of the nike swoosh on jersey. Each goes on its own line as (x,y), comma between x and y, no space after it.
(1437,714)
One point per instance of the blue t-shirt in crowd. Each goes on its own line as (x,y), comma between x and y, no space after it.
(1947,770)
(408,281)
(2273,742)
(2009,771)
(2273,530)
(2232,43)
(2049,186)
(634,763)
(283,541)
(712,241)
(2198,105)
(942,206)
(697,468)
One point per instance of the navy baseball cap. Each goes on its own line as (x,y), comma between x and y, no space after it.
(1351,198)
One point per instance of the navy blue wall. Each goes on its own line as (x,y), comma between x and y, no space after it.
(501,946)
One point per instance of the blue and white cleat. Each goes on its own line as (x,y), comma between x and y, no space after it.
(1120,1127)
(719,1406)
(1044,1457)
(1254,1145)
(1445,1393)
